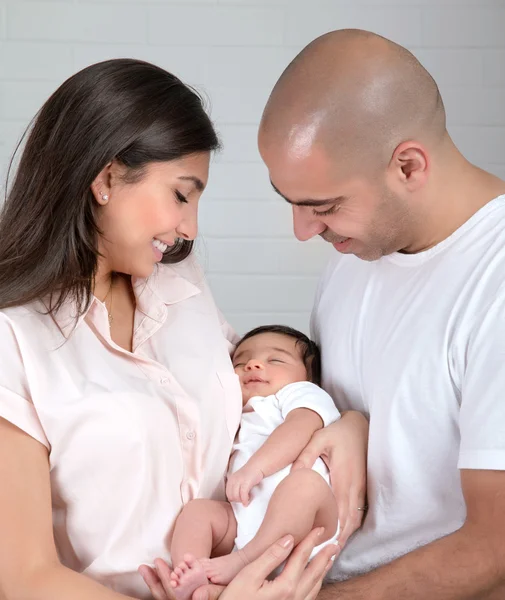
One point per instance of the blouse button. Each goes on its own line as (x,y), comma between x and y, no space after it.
(191,435)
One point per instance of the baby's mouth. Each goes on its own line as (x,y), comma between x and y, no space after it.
(254,380)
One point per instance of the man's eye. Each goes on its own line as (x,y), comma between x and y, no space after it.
(325,213)
(180,197)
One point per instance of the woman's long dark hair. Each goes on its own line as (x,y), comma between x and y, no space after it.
(122,109)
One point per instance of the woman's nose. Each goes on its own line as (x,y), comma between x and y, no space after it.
(188,228)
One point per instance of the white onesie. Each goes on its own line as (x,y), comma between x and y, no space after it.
(256,425)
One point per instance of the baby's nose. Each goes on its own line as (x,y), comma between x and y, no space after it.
(253,365)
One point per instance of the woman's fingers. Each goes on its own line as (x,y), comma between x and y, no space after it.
(307,580)
(297,562)
(312,578)
(208,592)
(164,573)
(153,582)
(314,592)
(256,572)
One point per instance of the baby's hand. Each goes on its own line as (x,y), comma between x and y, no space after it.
(240,484)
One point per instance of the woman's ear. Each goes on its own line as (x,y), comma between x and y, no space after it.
(410,165)
(101,186)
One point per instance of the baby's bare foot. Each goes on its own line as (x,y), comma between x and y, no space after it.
(188,576)
(223,569)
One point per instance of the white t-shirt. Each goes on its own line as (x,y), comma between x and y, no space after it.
(417,342)
(261,416)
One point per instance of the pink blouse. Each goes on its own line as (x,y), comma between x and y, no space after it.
(131,437)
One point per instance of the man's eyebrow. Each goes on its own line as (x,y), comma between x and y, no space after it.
(196,180)
(310,202)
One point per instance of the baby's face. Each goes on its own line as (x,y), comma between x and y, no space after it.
(266,363)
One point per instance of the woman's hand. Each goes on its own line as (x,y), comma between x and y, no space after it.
(158,582)
(298,581)
(343,446)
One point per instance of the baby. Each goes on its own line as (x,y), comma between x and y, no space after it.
(279,371)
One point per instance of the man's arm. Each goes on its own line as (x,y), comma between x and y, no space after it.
(466,565)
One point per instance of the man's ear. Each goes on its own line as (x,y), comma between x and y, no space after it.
(410,165)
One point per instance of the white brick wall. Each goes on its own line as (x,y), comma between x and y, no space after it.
(234,50)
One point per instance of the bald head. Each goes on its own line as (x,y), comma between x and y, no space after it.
(356,95)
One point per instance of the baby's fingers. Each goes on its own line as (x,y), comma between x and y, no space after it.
(244,494)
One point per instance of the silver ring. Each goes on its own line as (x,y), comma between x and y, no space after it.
(363,508)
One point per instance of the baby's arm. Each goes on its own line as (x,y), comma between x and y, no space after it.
(282,448)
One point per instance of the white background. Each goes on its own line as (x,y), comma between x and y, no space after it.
(234,50)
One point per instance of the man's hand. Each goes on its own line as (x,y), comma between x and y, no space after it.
(240,484)
(343,446)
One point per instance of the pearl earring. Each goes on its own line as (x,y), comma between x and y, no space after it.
(105,198)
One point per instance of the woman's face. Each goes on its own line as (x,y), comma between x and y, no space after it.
(141,220)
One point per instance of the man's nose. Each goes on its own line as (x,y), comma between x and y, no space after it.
(305,226)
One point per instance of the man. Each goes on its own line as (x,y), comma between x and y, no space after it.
(410,313)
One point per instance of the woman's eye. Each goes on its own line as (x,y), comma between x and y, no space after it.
(325,213)
(180,197)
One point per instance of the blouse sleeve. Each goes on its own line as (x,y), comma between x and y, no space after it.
(15,403)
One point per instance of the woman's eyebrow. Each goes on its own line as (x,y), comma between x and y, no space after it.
(200,186)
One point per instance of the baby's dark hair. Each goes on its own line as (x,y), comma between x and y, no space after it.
(310,354)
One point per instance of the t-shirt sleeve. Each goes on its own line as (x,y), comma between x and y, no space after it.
(15,402)
(304,394)
(482,414)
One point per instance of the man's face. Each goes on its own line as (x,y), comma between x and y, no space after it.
(357,216)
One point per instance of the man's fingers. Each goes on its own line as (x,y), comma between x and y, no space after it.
(308,456)
(352,522)
(257,571)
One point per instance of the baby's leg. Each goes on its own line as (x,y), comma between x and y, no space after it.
(204,528)
(300,502)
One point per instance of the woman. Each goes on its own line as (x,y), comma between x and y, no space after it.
(118,400)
